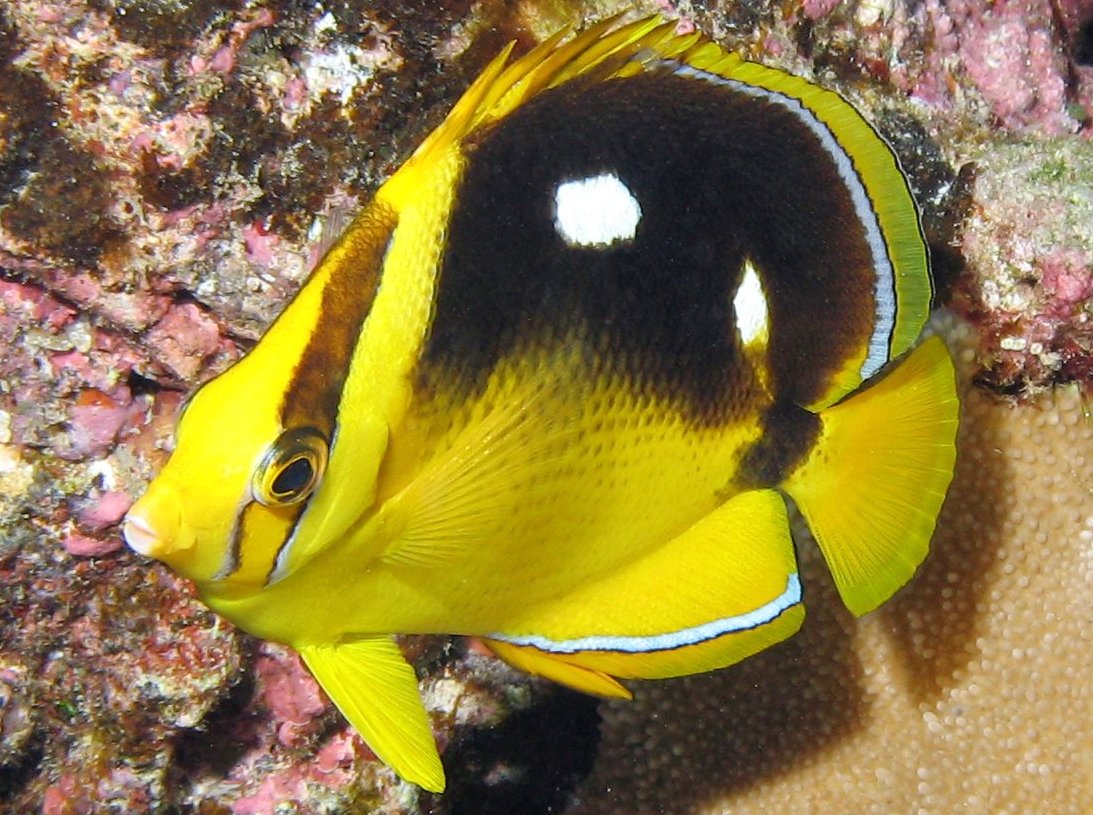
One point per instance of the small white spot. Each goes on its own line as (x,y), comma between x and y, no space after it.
(1013,343)
(750,305)
(326,23)
(596,211)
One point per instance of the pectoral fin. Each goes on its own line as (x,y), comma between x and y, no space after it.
(467,494)
(721,591)
(376,690)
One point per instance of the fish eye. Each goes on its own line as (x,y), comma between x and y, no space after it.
(291,469)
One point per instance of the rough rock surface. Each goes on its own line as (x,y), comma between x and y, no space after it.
(165,167)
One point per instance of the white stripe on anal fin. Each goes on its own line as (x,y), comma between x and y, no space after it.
(694,635)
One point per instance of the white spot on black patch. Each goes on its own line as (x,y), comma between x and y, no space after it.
(884,274)
(596,212)
(750,305)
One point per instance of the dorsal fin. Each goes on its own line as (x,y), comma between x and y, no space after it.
(598,51)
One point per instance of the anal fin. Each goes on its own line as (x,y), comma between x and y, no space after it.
(722,590)
(376,690)
(872,487)
(537,663)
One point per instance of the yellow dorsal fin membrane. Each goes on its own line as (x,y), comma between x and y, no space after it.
(600,51)
(724,589)
(503,87)
(376,690)
(873,486)
(549,64)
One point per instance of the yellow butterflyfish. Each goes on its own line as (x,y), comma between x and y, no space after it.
(550,386)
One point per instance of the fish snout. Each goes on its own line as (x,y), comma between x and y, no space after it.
(153,527)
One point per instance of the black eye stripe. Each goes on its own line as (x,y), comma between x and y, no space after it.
(313,395)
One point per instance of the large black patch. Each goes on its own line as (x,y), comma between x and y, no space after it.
(720,177)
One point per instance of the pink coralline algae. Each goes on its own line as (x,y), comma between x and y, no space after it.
(260,243)
(223,59)
(86,546)
(331,769)
(1014,54)
(1027,235)
(105,510)
(815,9)
(97,419)
(93,535)
(289,692)
(298,757)
(186,338)
(1014,64)
(35,305)
(1067,275)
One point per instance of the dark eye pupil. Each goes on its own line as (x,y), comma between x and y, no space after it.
(294,478)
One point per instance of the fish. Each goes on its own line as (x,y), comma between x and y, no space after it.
(553,385)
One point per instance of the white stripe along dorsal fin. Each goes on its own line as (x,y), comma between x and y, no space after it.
(879,191)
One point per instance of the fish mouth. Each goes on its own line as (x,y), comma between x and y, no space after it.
(140,536)
(154,526)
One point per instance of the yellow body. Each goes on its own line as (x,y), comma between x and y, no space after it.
(584,528)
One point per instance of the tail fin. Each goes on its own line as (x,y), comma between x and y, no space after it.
(873,486)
